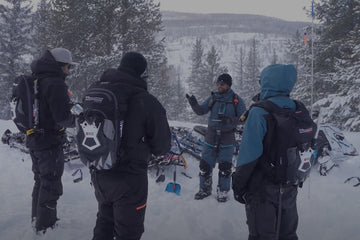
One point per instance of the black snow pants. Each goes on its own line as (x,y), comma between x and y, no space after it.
(48,167)
(121,200)
(262,214)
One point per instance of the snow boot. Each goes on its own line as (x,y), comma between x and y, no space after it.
(205,187)
(202,194)
(222,196)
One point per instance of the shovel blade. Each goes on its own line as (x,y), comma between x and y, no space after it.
(173,187)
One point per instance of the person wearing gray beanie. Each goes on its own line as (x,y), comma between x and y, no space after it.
(46,141)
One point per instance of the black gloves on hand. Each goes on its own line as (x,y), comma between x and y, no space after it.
(240,195)
(192,99)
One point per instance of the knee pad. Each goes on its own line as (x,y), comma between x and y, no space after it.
(205,169)
(225,169)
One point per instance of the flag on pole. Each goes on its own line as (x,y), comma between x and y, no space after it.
(305,39)
(312,8)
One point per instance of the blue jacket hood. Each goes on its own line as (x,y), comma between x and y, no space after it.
(277,79)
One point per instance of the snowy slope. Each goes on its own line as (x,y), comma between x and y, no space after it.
(331,212)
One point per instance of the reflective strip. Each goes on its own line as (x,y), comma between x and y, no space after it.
(141,207)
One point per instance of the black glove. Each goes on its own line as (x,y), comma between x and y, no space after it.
(192,99)
(240,195)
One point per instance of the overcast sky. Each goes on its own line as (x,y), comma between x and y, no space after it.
(291,10)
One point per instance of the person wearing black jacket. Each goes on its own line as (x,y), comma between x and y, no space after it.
(46,142)
(122,192)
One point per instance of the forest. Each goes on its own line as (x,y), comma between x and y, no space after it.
(99,32)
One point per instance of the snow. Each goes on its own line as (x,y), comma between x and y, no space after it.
(328,208)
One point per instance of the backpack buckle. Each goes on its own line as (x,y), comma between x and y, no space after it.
(30,131)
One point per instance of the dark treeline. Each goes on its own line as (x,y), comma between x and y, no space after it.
(98,32)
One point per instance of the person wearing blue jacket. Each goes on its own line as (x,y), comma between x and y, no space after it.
(251,185)
(225,108)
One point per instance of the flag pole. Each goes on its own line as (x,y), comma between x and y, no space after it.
(312,57)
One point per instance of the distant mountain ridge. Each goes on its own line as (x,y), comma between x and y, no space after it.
(196,24)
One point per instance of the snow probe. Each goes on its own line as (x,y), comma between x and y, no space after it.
(173,186)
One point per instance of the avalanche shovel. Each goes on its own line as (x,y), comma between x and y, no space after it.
(173,186)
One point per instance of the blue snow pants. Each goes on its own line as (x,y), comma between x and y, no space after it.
(210,156)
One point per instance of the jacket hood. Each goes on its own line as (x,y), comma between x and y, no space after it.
(47,66)
(277,79)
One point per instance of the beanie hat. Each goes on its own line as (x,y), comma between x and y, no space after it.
(62,55)
(134,63)
(225,78)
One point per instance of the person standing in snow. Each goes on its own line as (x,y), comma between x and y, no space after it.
(121,192)
(252,184)
(225,108)
(46,143)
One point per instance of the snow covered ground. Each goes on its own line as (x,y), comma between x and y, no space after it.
(328,208)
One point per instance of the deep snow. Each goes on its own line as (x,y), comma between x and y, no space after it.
(328,208)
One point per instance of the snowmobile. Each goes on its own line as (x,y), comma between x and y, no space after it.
(173,158)
(189,142)
(17,140)
(331,148)
(14,140)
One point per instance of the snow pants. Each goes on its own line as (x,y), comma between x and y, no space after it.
(262,214)
(121,204)
(210,156)
(48,167)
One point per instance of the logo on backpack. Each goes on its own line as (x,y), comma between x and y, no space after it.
(25,104)
(100,126)
(288,143)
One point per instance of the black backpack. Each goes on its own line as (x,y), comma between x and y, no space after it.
(100,126)
(288,143)
(24,103)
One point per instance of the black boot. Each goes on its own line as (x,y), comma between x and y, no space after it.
(202,194)
(205,187)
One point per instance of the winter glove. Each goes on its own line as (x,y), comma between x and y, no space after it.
(240,195)
(192,99)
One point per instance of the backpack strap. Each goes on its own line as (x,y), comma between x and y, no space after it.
(235,101)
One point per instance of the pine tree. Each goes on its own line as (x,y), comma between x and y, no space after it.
(196,77)
(299,54)
(99,32)
(41,26)
(337,61)
(211,69)
(274,58)
(252,73)
(15,44)
(196,64)
(238,79)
